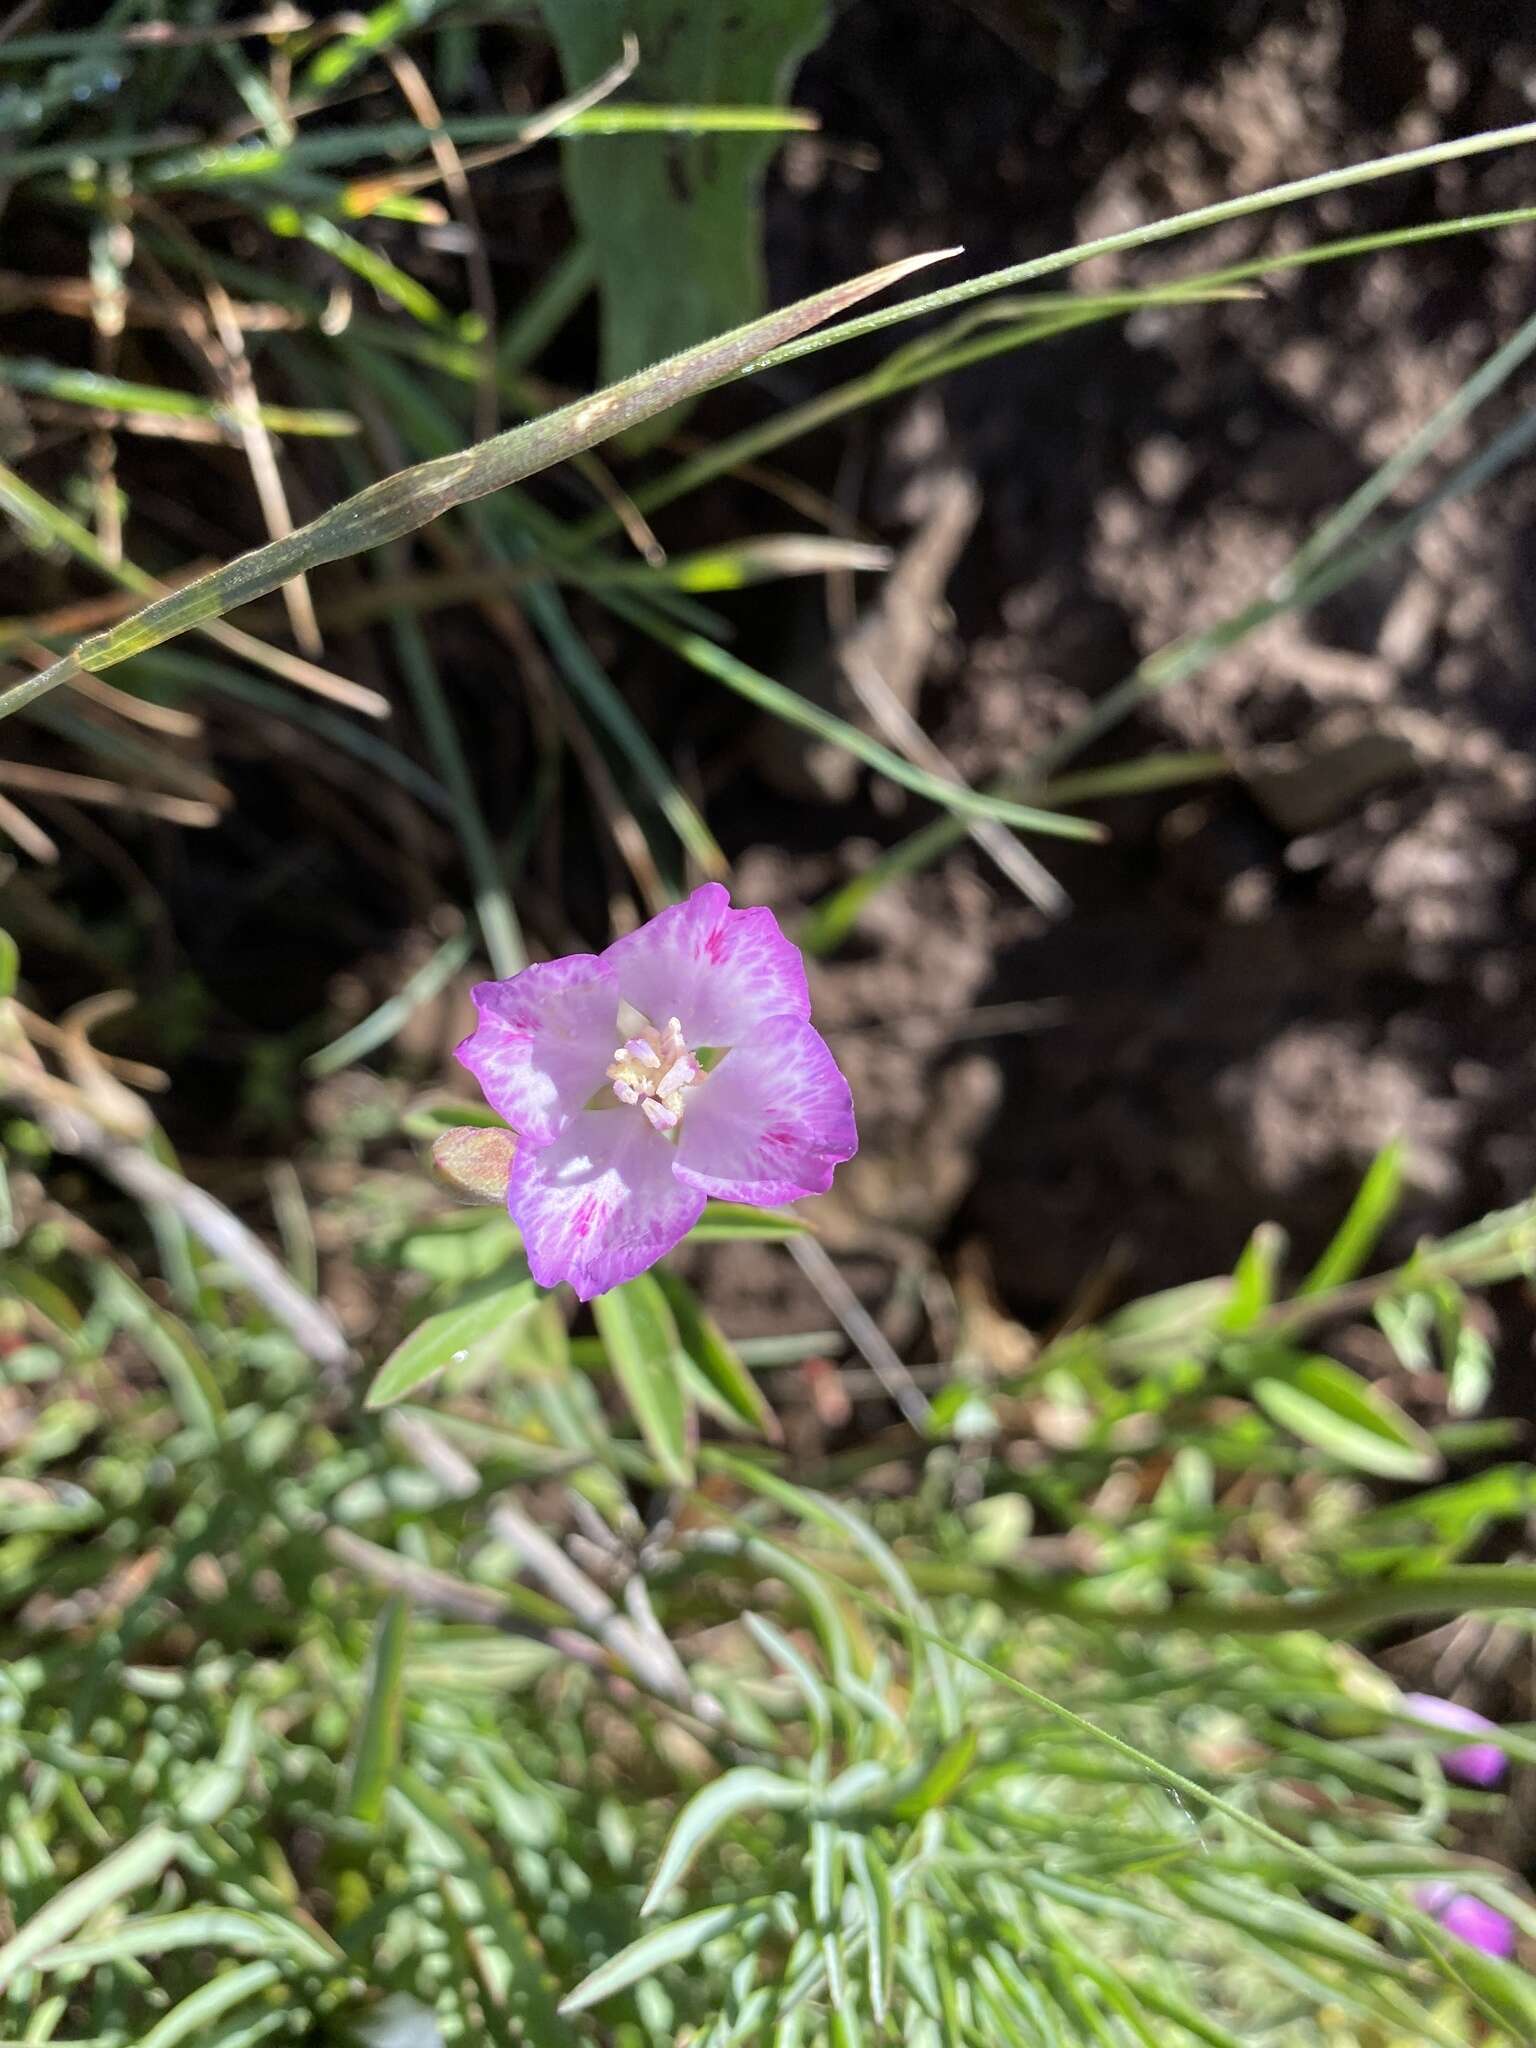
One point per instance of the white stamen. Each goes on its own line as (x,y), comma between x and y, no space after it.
(682,1073)
(653,1069)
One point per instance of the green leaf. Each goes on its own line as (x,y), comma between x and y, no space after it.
(744,1790)
(138,1862)
(873,1884)
(1369,1214)
(113,394)
(171,1345)
(827,1905)
(673,220)
(780,1650)
(735,1223)
(448,1337)
(1288,1922)
(706,1344)
(674,1943)
(514,1971)
(233,1930)
(429,1119)
(461,1248)
(641,1341)
(1332,1408)
(216,1785)
(189,2020)
(392,1015)
(940,1780)
(10,964)
(377,1748)
(1254,1278)
(1505,1986)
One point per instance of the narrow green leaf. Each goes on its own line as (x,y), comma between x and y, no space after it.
(139,1862)
(942,1779)
(384,1023)
(1332,1408)
(219,1783)
(516,1973)
(642,1344)
(171,1345)
(376,1750)
(706,1344)
(1506,1986)
(10,965)
(1369,1214)
(1254,1278)
(113,394)
(827,1906)
(795,709)
(448,1337)
(780,1650)
(674,1943)
(1145,233)
(759,558)
(737,1792)
(1267,1910)
(461,1250)
(873,1883)
(189,2020)
(429,1119)
(734,1223)
(231,1929)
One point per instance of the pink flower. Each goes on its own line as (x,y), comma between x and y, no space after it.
(679,1064)
(1469,1763)
(1469,1919)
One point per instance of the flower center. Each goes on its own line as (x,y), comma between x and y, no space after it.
(655,1070)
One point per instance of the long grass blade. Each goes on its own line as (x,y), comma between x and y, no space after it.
(1141,237)
(412,498)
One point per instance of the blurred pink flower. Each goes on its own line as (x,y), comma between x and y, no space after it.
(1469,1763)
(1469,1919)
(679,1064)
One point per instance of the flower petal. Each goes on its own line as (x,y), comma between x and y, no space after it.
(1470,1919)
(716,969)
(772,1121)
(544,1039)
(601,1203)
(1469,1763)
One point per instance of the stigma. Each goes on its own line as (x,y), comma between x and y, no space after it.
(653,1071)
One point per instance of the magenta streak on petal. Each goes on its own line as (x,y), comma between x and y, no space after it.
(543,1041)
(773,1120)
(600,1204)
(719,971)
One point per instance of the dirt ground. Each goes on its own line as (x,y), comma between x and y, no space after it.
(1263,980)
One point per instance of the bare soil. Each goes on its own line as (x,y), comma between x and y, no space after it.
(1264,979)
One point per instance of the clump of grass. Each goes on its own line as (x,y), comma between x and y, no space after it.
(525,1693)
